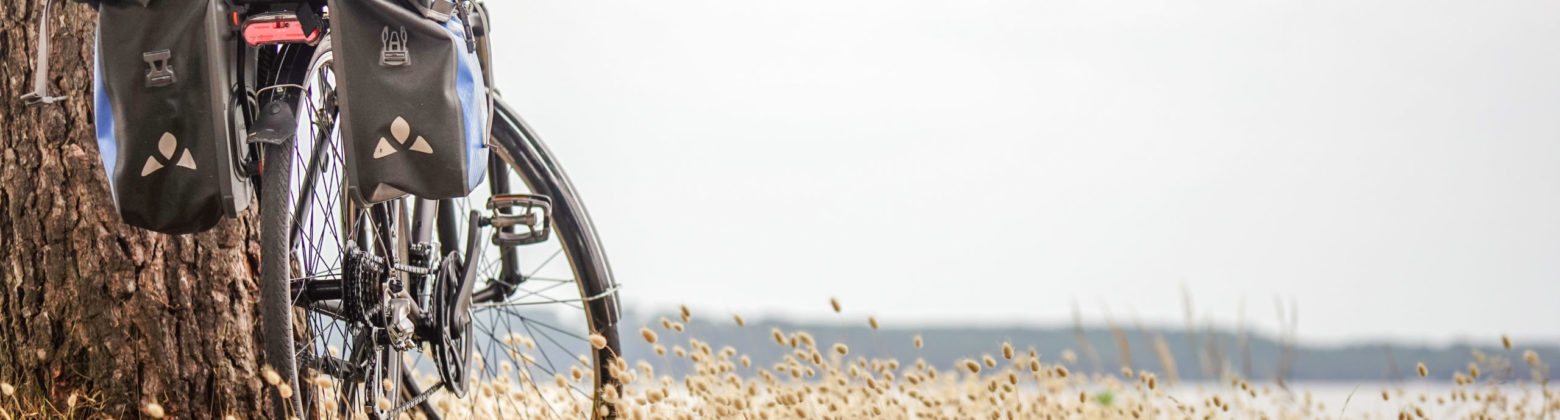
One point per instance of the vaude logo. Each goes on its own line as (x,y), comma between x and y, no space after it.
(400,131)
(167,146)
(392,51)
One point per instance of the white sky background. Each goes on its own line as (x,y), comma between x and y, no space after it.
(1392,166)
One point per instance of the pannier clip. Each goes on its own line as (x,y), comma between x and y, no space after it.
(160,73)
(440,10)
(393,51)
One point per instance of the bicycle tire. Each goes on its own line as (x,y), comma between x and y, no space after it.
(275,304)
(522,152)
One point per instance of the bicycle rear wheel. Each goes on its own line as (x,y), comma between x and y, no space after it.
(307,228)
(534,311)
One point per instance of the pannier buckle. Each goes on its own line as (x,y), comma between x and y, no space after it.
(393,53)
(160,73)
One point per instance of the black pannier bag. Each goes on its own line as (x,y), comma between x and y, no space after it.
(166,127)
(414,108)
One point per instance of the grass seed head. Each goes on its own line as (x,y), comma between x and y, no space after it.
(1505,341)
(740,322)
(972,366)
(1007,351)
(647,334)
(7,389)
(872,320)
(597,341)
(285,390)
(153,410)
(835,303)
(270,375)
(918,341)
(841,349)
(1422,370)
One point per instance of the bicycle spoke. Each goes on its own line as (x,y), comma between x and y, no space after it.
(333,339)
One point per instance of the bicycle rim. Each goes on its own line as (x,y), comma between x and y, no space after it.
(533,351)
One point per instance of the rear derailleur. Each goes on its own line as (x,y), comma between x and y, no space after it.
(373,297)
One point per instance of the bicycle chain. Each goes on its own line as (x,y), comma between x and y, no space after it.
(415,269)
(395,412)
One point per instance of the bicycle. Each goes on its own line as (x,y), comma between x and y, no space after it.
(351,290)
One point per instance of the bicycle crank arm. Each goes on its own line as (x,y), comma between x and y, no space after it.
(460,312)
(451,307)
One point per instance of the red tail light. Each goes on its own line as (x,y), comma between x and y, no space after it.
(277,28)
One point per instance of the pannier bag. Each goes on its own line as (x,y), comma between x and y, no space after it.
(414,108)
(166,130)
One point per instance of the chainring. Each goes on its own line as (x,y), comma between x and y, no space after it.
(452,349)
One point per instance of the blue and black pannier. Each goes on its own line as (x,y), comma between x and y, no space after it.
(166,128)
(414,107)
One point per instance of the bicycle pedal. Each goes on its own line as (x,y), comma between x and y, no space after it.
(519,219)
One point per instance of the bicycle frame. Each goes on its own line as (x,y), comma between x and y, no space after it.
(412,222)
(426,214)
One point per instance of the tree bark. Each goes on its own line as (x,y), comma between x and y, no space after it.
(89,305)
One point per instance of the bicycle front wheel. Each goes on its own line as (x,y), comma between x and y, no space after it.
(544,314)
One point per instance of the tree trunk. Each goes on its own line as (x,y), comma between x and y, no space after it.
(121,316)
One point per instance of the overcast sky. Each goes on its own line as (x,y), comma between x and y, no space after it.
(1392,166)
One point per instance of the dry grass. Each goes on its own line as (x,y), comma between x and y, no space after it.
(823,381)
